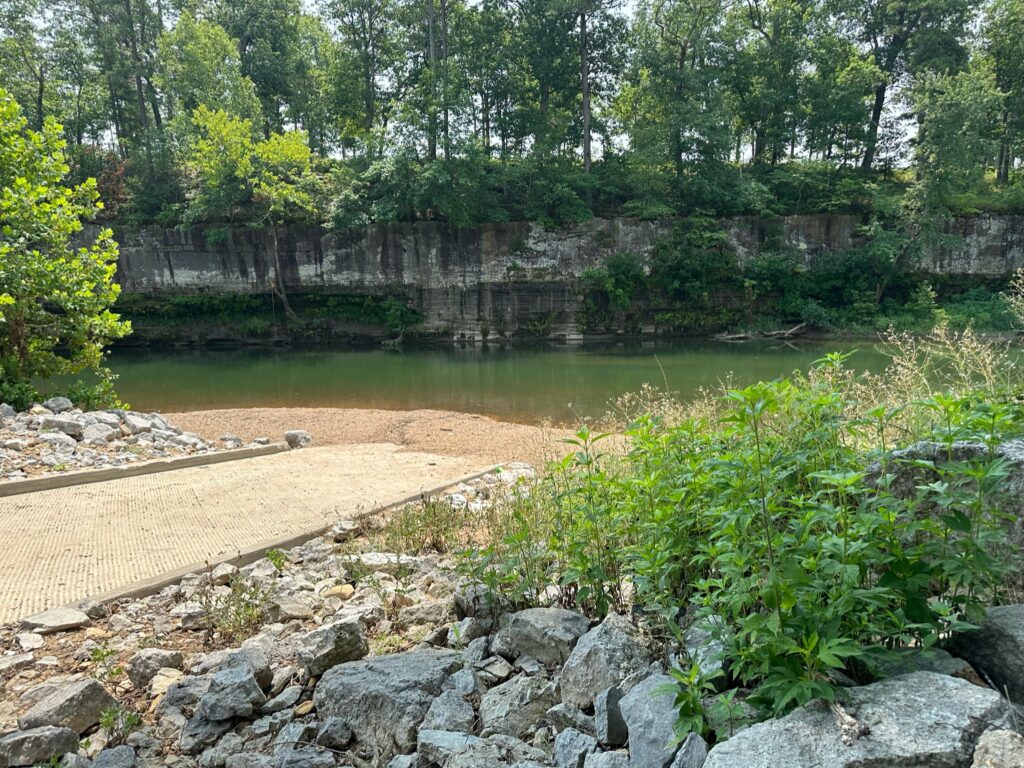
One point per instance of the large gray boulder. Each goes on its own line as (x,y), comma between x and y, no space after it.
(449,712)
(56,620)
(546,634)
(997,648)
(383,700)
(515,707)
(924,719)
(143,666)
(63,424)
(332,644)
(233,692)
(572,748)
(612,654)
(36,745)
(449,749)
(58,404)
(77,705)
(650,715)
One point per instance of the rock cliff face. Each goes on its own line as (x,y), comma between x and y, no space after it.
(494,278)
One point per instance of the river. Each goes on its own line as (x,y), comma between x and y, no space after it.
(526,385)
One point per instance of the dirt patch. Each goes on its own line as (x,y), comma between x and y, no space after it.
(442,432)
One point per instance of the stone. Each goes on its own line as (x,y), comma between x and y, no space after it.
(607,760)
(562,716)
(200,733)
(77,706)
(332,644)
(58,404)
(297,438)
(572,748)
(121,756)
(494,670)
(384,699)
(190,615)
(650,715)
(608,722)
(546,634)
(447,749)
(99,434)
(59,442)
(923,719)
(36,745)
(304,708)
(144,665)
(291,607)
(30,641)
(222,574)
(705,647)
(68,426)
(449,712)
(996,649)
(136,424)
(164,679)
(907,660)
(7,412)
(286,699)
(692,752)
(515,707)
(341,591)
(233,692)
(15,662)
(999,749)
(612,654)
(71,760)
(56,620)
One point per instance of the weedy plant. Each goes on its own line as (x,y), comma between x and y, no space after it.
(119,723)
(237,612)
(105,660)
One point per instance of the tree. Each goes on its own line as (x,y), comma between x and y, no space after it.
(1004,32)
(55,295)
(199,65)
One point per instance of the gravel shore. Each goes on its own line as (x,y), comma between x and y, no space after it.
(443,432)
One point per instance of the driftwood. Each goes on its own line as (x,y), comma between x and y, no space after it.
(796,330)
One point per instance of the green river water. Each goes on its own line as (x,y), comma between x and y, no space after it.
(517,384)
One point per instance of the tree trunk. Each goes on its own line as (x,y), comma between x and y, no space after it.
(585,89)
(876,119)
(432,106)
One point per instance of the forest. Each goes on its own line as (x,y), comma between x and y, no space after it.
(345,112)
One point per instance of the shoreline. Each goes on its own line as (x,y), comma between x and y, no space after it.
(448,433)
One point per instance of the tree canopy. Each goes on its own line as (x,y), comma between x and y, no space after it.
(550,110)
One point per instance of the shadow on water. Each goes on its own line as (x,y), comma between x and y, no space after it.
(526,384)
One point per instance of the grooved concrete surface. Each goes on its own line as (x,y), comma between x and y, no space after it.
(71,543)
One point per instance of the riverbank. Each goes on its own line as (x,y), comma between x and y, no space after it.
(448,433)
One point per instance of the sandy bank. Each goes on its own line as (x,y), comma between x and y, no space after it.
(442,432)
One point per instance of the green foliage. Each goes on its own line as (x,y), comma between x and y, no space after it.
(55,294)
(119,723)
(781,516)
(239,612)
(277,559)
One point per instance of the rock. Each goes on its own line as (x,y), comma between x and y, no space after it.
(122,756)
(607,760)
(907,660)
(144,665)
(291,607)
(612,654)
(190,615)
(563,716)
(99,434)
(233,692)
(572,748)
(999,749)
(200,733)
(77,706)
(608,722)
(136,424)
(222,574)
(15,662)
(7,412)
(297,438)
(30,641)
(449,712)
(71,760)
(384,699)
(705,647)
(997,648)
(332,644)
(493,670)
(59,442)
(650,716)
(61,424)
(446,749)
(36,745)
(304,708)
(546,634)
(286,699)
(478,601)
(341,591)
(164,679)
(515,707)
(692,752)
(922,719)
(58,404)
(56,620)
